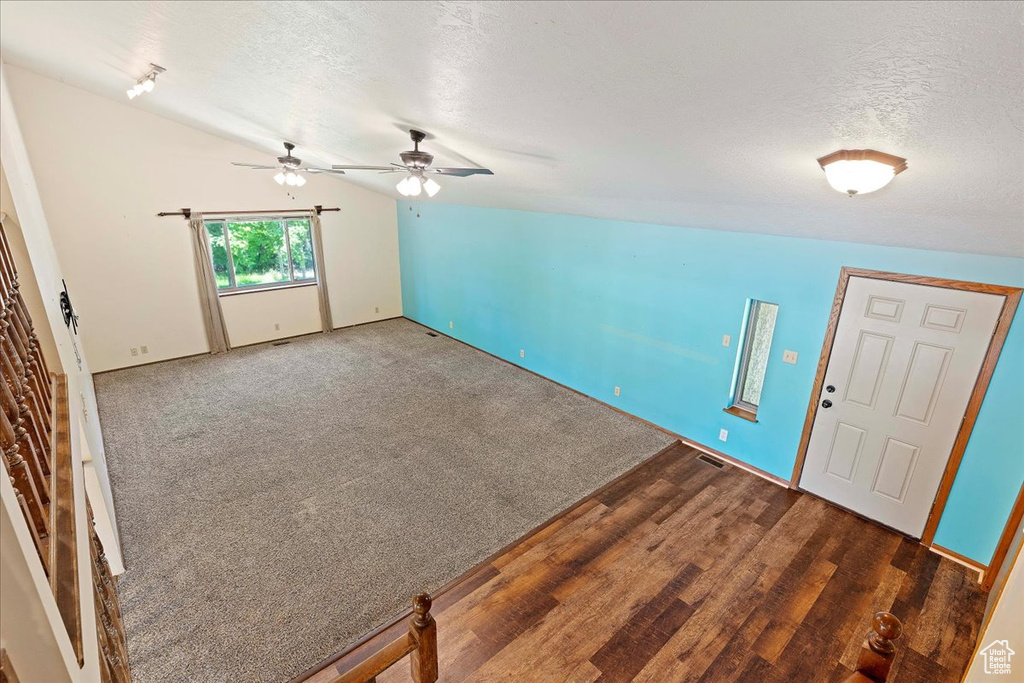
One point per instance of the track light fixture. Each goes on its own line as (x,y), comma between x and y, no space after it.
(146,83)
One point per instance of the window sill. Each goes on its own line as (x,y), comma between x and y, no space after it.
(273,288)
(741,412)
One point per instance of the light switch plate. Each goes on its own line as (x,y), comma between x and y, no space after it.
(723,434)
(726,340)
(789,357)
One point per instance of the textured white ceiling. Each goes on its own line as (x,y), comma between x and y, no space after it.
(703,114)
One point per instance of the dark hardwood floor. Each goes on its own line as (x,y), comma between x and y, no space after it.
(681,571)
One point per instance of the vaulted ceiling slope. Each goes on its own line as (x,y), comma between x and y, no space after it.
(705,115)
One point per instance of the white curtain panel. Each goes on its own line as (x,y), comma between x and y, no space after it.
(213,317)
(321,276)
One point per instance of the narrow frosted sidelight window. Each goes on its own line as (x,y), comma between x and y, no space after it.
(754,353)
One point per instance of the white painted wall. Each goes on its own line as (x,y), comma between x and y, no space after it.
(251,317)
(104,169)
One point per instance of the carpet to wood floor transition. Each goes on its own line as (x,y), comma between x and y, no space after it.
(276,502)
(684,572)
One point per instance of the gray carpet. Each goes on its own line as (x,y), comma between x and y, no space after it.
(279,501)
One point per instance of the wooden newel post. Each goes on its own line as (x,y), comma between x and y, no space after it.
(423,631)
(878,651)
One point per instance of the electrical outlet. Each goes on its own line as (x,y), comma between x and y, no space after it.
(789,357)
(723,434)
(277,327)
(451,324)
(522,353)
(144,349)
(726,340)
(376,309)
(135,351)
(618,391)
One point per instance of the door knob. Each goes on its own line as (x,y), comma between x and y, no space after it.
(830,388)
(826,403)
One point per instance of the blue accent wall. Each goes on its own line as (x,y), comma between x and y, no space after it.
(599,303)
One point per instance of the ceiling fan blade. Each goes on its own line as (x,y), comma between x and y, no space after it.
(314,169)
(361,168)
(259,166)
(462,172)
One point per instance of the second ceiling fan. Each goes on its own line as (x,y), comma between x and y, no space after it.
(417,165)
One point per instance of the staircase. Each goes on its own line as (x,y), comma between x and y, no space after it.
(35,446)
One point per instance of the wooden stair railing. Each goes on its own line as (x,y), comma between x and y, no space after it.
(420,642)
(878,650)
(26,418)
(35,447)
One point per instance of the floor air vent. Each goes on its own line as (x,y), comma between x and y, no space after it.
(431,334)
(280,343)
(714,462)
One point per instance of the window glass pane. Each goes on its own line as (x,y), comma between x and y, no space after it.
(258,252)
(759,331)
(302,250)
(219,253)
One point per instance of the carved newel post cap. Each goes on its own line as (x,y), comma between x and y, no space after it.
(421,608)
(887,628)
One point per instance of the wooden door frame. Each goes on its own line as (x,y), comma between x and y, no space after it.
(1012,298)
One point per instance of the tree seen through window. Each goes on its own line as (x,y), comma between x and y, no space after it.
(261,252)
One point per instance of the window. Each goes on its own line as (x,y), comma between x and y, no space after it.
(753,359)
(257,253)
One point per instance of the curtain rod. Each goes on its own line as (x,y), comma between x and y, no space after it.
(187,213)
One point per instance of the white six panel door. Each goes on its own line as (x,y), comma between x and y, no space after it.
(903,365)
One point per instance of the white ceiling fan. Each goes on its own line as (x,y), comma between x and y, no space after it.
(417,165)
(288,168)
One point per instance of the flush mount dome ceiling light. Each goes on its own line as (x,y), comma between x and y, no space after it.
(146,83)
(859,171)
(417,164)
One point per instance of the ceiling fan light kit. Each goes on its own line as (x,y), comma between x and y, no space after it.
(288,168)
(146,83)
(860,171)
(409,186)
(290,178)
(416,163)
